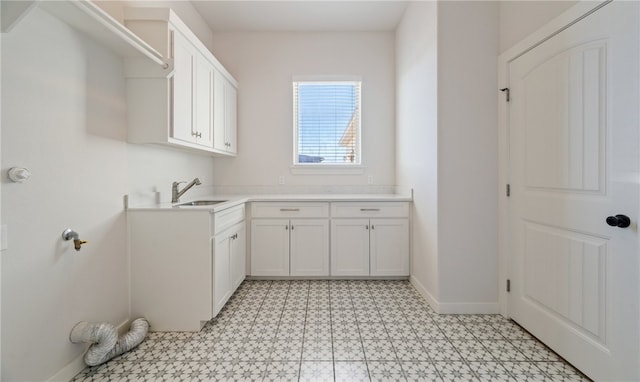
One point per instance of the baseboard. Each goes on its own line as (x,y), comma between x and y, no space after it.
(425,293)
(456,307)
(77,364)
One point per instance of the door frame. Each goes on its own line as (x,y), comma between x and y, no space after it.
(569,17)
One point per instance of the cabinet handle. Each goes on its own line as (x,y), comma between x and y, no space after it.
(369,209)
(292,227)
(372,227)
(367,226)
(289,209)
(197,134)
(286,227)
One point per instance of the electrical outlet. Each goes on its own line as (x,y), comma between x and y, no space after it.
(281,179)
(370,179)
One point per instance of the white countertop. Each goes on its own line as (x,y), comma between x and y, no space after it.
(234,200)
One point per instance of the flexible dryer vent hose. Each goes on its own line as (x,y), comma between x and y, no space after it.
(104,339)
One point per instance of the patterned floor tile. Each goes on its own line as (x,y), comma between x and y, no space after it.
(525,371)
(420,371)
(282,372)
(351,371)
(455,371)
(385,371)
(321,350)
(348,350)
(410,350)
(471,351)
(286,351)
(316,371)
(490,371)
(441,350)
(379,350)
(338,330)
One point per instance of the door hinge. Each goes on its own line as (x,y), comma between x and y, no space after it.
(508,93)
(508,285)
(508,190)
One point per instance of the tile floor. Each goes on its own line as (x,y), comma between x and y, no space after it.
(338,330)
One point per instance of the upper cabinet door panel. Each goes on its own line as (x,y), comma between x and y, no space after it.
(182,88)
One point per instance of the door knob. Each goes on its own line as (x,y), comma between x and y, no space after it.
(621,221)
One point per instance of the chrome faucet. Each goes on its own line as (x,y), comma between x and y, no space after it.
(175,194)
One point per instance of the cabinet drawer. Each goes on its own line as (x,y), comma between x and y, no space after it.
(289,210)
(226,218)
(370,209)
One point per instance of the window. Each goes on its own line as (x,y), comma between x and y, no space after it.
(326,123)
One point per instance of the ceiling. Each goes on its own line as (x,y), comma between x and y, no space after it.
(299,15)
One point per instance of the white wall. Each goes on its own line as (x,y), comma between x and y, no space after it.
(64,117)
(264,65)
(467,155)
(447,149)
(447,140)
(184,9)
(518,19)
(417,135)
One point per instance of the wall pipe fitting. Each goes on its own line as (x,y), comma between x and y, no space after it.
(104,341)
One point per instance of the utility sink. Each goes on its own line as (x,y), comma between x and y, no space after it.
(196,203)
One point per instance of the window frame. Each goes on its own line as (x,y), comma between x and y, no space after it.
(320,167)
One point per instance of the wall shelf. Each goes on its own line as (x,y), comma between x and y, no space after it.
(91,20)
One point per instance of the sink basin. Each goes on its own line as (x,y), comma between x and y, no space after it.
(200,203)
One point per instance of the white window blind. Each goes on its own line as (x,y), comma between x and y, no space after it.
(326,122)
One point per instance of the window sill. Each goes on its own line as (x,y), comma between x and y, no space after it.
(327,170)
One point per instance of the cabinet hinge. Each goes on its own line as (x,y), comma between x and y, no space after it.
(507,93)
(508,190)
(508,285)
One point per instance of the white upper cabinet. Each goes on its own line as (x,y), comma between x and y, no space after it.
(225,98)
(194,107)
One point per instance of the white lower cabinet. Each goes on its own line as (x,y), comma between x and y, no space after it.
(349,247)
(370,239)
(389,247)
(283,247)
(309,247)
(337,239)
(270,247)
(376,247)
(185,264)
(228,265)
(289,239)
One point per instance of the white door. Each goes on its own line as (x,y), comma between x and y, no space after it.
(350,247)
(309,247)
(389,247)
(574,161)
(270,247)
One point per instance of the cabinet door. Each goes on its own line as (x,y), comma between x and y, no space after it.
(270,247)
(350,247)
(309,247)
(389,247)
(203,105)
(219,139)
(221,271)
(230,117)
(238,255)
(182,88)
